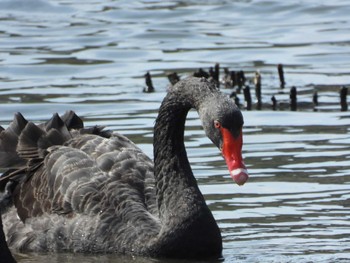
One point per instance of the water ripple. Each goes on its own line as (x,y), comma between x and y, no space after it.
(91,57)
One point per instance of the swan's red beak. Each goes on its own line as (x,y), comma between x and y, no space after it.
(232,152)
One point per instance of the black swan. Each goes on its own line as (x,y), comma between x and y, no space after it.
(70,188)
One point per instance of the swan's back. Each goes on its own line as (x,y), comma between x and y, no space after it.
(75,188)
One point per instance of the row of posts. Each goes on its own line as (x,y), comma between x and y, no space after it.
(232,79)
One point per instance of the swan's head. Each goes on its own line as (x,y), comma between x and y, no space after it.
(223,122)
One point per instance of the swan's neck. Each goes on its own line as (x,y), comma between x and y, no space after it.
(177,188)
(182,208)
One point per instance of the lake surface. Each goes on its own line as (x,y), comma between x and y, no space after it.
(91,57)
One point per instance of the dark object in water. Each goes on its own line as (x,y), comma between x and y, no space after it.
(234,96)
(240,78)
(257,82)
(201,74)
(315,100)
(215,73)
(343,99)
(149,83)
(233,79)
(274,103)
(293,99)
(281,75)
(247,97)
(226,80)
(173,78)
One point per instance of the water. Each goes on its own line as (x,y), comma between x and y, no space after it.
(90,56)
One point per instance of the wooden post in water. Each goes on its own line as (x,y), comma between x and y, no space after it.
(315,100)
(247,97)
(234,96)
(226,79)
(233,79)
(293,98)
(216,73)
(274,103)
(240,80)
(343,95)
(173,78)
(257,82)
(149,83)
(281,75)
(201,73)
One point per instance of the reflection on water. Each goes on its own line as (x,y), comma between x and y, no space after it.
(91,57)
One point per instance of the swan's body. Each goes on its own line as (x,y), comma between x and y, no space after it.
(88,190)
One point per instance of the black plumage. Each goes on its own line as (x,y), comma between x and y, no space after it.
(90,190)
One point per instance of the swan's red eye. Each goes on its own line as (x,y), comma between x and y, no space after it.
(217,124)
